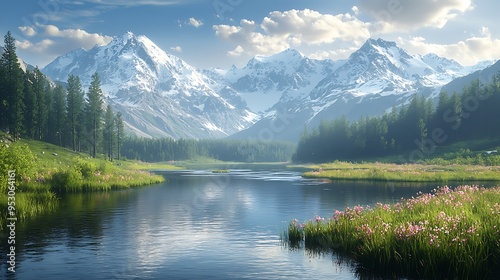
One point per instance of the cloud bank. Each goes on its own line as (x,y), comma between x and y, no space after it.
(57,41)
(281,30)
(407,15)
(337,36)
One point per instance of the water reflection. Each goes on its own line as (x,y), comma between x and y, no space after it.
(197,225)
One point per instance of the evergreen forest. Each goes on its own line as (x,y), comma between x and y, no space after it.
(417,128)
(35,108)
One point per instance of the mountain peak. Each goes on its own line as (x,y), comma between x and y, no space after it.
(158,93)
(286,55)
(378,43)
(124,38)
(441,64)
(128,35)
(291,52)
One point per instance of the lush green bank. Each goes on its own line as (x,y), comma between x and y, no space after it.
(446,234)
(403,173)
(44,172)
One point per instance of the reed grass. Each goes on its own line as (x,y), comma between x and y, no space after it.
(86,176)
(28,205)
(44,172)
(404,172)
(445,234)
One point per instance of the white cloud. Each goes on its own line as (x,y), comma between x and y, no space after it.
(250,41)
(236,52)
(176,49)
(337,36)
(39,47)
(77,36)
(28,30)
(195,22)
(281,30)
(355,10)
(312,27)
(467,52)
(405,15)
(337,54)
(54,42)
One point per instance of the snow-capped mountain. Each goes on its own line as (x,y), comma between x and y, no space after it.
(267,79)
(161,95)
(484,75)
(375,78)
(158,94)
(381,67)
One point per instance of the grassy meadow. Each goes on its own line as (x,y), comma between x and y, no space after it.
(447,234)
(403,172)
(45,172)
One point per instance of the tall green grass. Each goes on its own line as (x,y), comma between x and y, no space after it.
(405,172)
(44,172)
(446,234)
(28,205)
(92,175)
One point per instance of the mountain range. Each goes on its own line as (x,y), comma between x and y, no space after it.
(158,94)
(375,78)
(270,98)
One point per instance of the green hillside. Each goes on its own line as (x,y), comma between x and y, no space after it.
(45,172)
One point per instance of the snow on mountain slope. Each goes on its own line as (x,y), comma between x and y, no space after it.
(285,75)
(484,75)
(373,79)
(381,67)
(159,94)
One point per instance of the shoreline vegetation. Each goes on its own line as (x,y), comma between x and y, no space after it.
(446,234)
(45,172)
(402,172)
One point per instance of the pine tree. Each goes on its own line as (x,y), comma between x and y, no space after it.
(39,88)
(59,114)
(30,117)
(93,112)
(109,134)
(12,88)
(456,108)
(119,133)
(49,129)
(74,103)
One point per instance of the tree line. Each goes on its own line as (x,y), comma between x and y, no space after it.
(165,149)
(33,107)
(418,127)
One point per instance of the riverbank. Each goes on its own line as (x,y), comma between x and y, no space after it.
(446,234)
(45,172)
(402,172)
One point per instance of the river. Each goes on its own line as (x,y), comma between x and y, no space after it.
(197,225)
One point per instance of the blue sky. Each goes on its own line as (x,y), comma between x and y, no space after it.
(220,33)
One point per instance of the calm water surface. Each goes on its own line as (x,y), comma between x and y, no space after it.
(198,225)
